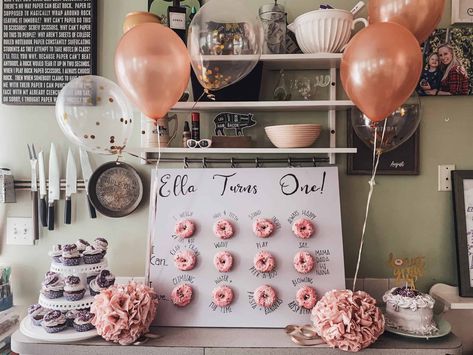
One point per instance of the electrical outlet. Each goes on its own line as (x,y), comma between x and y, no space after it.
(20,231)
(445,177)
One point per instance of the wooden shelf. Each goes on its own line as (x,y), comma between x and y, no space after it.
(321,105)
(448,295)
(230,151)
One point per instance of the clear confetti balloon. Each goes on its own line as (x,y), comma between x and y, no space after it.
(224,42)
(400,126)
(94,113)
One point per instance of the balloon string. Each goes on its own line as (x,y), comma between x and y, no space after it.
(376,156)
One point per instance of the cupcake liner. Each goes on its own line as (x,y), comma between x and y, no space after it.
(53,294)
(56,329)
(71,261)
(83,327)
(93,259)
(36,321)
(93,293)
(74,296)
(57,259)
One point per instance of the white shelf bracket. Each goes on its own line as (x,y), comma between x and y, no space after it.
(332,114)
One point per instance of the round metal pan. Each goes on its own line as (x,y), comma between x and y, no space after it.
(115,189)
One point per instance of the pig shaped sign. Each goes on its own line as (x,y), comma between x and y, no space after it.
(236,121)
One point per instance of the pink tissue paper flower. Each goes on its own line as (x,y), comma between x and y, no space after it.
(123,313)
(348,320)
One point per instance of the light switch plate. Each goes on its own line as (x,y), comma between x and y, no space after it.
(20,231)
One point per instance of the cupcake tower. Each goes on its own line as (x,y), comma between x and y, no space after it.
(78,273)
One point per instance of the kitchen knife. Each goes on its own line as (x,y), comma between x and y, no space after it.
(43,211)
(71,185)
(54,185)
(34,190)
(86,174)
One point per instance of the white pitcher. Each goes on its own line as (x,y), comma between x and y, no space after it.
(324,31)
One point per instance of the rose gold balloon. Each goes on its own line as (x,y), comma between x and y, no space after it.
(418,16)
(380,68)
(133,19)
(153,68)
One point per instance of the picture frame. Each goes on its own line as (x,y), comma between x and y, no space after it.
(403,160)
(462,11)
(462,187)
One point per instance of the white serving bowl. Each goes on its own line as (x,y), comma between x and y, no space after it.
(324,31)
(293,136)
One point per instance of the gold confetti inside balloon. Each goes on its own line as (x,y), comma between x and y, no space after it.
(90,121)
(224,42)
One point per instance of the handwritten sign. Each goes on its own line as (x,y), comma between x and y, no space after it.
(45,45)
(241,196)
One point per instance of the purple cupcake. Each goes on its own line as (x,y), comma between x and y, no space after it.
(70,255)
(91,276)
(56,253)
(52,286)
(70,316)
(104,280)
(73,289)
(82,245)
(54,322)
(36,312)
(101,244)
(82,322)
(92,255)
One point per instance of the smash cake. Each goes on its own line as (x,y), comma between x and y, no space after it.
(410,310)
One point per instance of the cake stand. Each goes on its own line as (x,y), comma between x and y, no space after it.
(70,334)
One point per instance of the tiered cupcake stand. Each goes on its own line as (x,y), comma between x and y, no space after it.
(70,334)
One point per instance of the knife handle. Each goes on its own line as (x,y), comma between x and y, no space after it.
(93,213)
(51,216)
(34,197)
(43,212)
(67,211)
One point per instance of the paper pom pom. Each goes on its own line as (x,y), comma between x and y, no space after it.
(123,313)
(348,320)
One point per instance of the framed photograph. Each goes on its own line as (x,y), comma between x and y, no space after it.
(462,11)
(404,160)
(448,63)
(462,181)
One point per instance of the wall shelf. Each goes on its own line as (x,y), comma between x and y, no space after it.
(232,151)
(320,105)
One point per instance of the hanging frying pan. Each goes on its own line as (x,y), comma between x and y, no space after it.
(115,189)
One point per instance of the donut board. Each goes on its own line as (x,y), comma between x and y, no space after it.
(241,196)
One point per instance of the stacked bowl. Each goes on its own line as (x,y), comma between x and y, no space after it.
(293,135)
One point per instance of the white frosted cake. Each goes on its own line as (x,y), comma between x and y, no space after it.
(410,310)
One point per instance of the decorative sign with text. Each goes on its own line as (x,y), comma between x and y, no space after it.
(242,196)
(45,45)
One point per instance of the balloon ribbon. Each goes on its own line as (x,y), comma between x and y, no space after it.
(376,156)
(304,335)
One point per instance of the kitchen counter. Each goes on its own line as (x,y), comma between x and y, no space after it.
(218,341)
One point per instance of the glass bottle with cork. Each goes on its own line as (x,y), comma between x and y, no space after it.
(177,19)
(195,126)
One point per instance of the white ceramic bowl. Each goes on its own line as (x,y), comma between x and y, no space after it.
(324,31)
(293,136)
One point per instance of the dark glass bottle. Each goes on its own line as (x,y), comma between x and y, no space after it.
(195,130)
(177,19)
(186,134)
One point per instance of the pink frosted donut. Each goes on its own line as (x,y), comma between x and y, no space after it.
(264,261)
(306,297)
(223,261)
(185,260)
(265,296)
(223,229)
(222,296)
(263,228)
(303,228)
(184,228)
(181,295)
(303,262)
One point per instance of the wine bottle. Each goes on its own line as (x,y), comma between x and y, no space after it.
(177,19)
